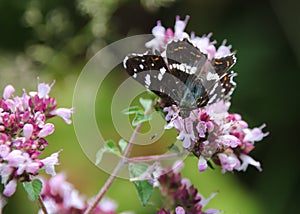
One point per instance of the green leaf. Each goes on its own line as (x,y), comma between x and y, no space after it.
(99,155)
(146,103)
(33,189)
(141,118)
(144,188)
(112,147)
(123,144)
(132,110)
(174,148)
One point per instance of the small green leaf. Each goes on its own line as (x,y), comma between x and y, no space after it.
(99,155)
(132,110)
(146,103)
(136,169)
(33,189)
(144,187)
(123,144)
(112,147)
(210,164)
(174,148)
(141,118)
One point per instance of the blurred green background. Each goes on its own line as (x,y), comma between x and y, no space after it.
(54,40)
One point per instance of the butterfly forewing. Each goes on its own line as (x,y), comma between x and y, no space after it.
(152,72)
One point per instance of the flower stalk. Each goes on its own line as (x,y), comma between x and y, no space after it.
(43,207)
(117,169)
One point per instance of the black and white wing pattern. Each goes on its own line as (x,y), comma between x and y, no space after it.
(184,77)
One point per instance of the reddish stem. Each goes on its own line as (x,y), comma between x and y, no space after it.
(155,157)
(114,174)
(42,204)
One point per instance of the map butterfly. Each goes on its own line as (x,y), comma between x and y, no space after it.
(185,77)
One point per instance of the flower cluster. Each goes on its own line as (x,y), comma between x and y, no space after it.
(211,132)
(59,196)
(180,196)
(23,128)
(163,36)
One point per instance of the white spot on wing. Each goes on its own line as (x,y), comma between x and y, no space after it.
(147,81)
(213,89)
(124,62)
(211,76)
(212,98)
(160,76)
(141,66)
(193,70)
(162,71)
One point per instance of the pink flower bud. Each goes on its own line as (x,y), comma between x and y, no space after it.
(27,131)
(8,91)
(10,188)
(179,210)
(202,164)
(48,129)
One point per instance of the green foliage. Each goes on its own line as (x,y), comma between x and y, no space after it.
(33,189)
(143,187)
(146,103)
(123,145)
(112,147)
(140,116)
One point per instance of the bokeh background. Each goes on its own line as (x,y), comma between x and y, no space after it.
(55,39)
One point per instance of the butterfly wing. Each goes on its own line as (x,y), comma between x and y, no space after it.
(187,79)
(152,72)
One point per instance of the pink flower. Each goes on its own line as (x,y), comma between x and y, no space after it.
(10,188)
(50,162)
(5,171)
(228,162)
(44,90)
(8,91)
(4,150)
(15,158)
(64,113)
(229,140)
(179,195)
(179,210)
(48,129)
(186,135)
(247,160)
(179,28)
(107,205)
(159,37)
(201,128)
(27,130)
(223,50)
(202,164)
(23,127)
(60,196)
(255,134)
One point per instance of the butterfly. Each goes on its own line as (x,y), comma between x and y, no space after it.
(184,76)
